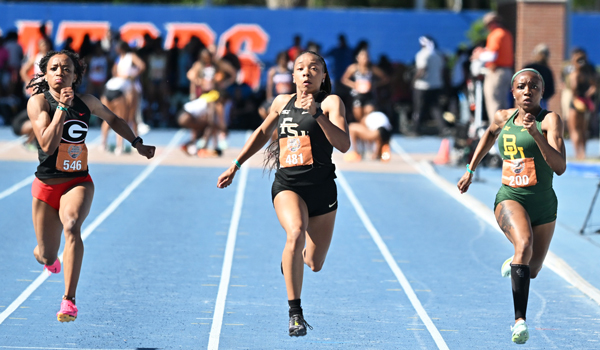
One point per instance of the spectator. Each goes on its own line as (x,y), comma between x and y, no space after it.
(15,56)
(363,78)
(498,56)
(541,54)
(376,129)
(340,57)
(4,72)
(231,58)
(582,81)
(279,81)
(295,49)
(156,86)
(427,86)
(97,72)
(31,67)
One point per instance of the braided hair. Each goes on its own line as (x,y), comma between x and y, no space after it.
(272,151)
(40,85)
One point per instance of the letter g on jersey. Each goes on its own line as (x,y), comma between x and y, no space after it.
(74,131)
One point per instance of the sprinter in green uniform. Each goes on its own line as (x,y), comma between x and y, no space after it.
(532,148)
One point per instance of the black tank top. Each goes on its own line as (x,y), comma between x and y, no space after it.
(295,121)
(74,132)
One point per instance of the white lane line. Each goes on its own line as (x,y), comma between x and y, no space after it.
(14,188)
(217,323)
(45,348)
(28,180)
(13,143)
(553,262)
(99,219)
(410,293)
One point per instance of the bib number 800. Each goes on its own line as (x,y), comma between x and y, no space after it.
(519,180)
(73,166)
(294,159)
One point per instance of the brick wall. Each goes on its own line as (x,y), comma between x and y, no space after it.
(536,22)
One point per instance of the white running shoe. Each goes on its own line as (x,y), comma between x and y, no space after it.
(505,270)
(520,332)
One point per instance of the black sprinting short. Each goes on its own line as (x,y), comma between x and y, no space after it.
(113,94)
(320,199)
(385,135)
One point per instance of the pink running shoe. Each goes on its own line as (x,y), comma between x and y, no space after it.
(54,268)
(68,311)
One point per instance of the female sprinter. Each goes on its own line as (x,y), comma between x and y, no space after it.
(63,190)
(361,77)
(532,146)
(310,123)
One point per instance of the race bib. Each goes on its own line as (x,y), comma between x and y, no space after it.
(72,157)
(295,151)
(363,86)
(519,172)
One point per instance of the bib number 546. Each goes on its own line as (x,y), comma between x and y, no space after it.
(74,165)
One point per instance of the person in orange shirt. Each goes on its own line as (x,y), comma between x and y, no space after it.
(498,56)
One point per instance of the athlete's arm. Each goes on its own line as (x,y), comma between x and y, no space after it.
(24,69)
(230,73)
(483,147)
(257,140)
(139,63)
(347,74)
(383,78)
(116,123)
(552,148)
(333,122)
(48,130)
(192,73)
(269,91)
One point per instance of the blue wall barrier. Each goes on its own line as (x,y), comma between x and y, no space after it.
(391,32)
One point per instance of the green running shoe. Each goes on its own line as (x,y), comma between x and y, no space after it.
(505,270)
(520,332)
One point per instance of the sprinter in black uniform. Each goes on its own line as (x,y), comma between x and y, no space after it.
(310,124)
(63,190)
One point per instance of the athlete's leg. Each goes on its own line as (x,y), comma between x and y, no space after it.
(542,236)
(74,207)
(47,226)
(576,134)
(514,222)
(293,216)
(318,239)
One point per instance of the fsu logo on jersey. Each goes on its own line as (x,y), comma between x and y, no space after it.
(74,131)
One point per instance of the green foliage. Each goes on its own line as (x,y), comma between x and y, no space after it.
(477,33)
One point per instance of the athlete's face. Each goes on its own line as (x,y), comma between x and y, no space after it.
(308,73)
(527,90)
(60,72)
(362,58)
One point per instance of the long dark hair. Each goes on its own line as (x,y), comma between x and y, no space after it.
(272,151)
(40,85)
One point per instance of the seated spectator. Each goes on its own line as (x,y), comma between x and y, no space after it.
(198,117)
(377,130)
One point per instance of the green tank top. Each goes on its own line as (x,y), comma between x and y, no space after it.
(514,142)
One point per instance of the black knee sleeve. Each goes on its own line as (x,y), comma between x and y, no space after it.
(520,276)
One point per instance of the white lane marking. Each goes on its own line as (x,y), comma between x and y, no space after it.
(554,263)
(28,180)
(45,348)
(14,188)
(13,143)
(410,293)
(99,219)
(217,323)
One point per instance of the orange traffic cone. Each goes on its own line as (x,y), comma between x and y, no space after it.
(443,156)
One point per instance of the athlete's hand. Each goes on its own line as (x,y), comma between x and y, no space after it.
(464,182)
(529,124)
(227,177)
(307,102)
(66,96)
(146,151)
